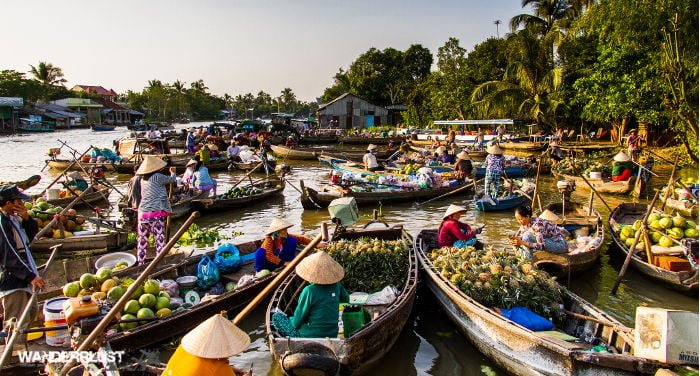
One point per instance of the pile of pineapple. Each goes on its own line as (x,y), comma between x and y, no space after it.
(499,279)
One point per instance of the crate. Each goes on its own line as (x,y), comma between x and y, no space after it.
(672,263)
(666,335)
(354,318)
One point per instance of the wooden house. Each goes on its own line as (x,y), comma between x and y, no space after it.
(350,111)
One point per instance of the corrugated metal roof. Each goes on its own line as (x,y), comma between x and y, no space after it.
(11,101)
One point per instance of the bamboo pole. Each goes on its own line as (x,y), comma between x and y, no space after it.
(669,186)
(63,172)
(631,249)
(53,220)
(106,320)
(535,197)
(599,321)
(594,191)
(248,174)
(273,285)
(452,192)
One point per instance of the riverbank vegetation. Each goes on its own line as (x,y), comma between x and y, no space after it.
(571,63)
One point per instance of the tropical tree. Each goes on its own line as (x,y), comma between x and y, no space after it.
(47,73)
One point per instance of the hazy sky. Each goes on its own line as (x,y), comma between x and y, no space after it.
(235,46)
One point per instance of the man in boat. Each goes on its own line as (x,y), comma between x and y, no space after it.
(555,153)
(538,233)
(18,272)
(279,246)
(204,154)
(205,350)
(501,132)
(190,142)
(622,167)
(233,152)
(451,136)
(444,156)
(370,160)
(479,140)
(454,233)
(316,314)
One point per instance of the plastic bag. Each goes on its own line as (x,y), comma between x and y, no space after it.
(170,286)
(385,296)
(227,258)
(207,273)
(527,318)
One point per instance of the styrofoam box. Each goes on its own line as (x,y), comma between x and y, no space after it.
(666,335)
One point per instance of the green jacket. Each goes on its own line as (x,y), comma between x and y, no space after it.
(316,315)
(619,167)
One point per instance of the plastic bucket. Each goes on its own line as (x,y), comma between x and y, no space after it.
(53,194)
(53,315)
(595,175)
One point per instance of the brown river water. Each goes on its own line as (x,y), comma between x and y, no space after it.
(429,344)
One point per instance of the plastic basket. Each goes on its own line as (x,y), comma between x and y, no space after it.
(354,318)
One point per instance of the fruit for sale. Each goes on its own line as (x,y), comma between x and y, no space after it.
(132,306)
(147,300)
(71,289)
(87,280)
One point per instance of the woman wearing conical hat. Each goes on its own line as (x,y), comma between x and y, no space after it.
(622,167)
(76,180)
(463,166)
(538,233)
(279,246)
(454,233)
(205,350)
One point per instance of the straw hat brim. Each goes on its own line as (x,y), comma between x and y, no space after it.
(320,268)
(215,338)
(371,147)
(621,157)
(191,162)
(440,150)
(462,155)
(151,164)
(494,149)
(76,176)
(452,209)
(549,216)
(278,225)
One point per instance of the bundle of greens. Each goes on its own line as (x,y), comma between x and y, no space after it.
(371,264)
(499,279)
(199,237)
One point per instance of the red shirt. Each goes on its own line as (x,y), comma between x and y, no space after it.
(452,230)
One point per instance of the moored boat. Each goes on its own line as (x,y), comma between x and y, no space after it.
(625,214)
(523,146)
(255,193)
(601,185)
(370,140)
(63,164)
(310,153)
(95,195)
(518,350)
(102,127)
(504,203)
(86,243)
(357,353)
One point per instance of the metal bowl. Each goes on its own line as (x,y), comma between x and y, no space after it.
(111,259)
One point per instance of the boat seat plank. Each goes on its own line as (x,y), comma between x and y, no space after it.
(562,339)
(247,268)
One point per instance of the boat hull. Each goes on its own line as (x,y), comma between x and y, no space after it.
(602,186)
(504,204)
(271,188)
(80,243)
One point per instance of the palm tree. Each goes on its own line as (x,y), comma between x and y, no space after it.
(179,91)
(47,73)
(199,86)
(531,85)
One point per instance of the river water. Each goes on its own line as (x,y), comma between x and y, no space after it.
(429,344)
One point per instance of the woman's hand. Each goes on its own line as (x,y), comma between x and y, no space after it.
(516,241)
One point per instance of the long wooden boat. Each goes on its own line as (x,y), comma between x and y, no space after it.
(342,356)
(520,351)
(626,214)
(575,218)
(523,146)
(102,127)
(684,208)
(319,139)
(100,194)
(501,204)
(86,243)
(180,164)
(316,199)
(370,140)
(268,189)
(36,128)
(601,185)
(311,153)
(63,164)
(24,184)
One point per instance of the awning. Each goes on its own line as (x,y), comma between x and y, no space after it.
(11,101)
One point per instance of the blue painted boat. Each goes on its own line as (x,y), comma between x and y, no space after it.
(501,204)
(102,127)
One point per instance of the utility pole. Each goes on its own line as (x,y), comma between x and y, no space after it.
(497,22)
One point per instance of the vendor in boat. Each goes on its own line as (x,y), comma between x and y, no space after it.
(154,149)
(206,350)
(154,205)
(452,232)
(622,167)
(370,160)
(233,152)
(444,156)
(555,153)
(463,167)
(201,179)
(76,181)
(279,246)
(291,142)
(186,179)
(191,141)
(479,140)
(414,136)
(538,233)
(633,143)
(495,166)
(20,276)
(451,136)
(204,154)
(316,314)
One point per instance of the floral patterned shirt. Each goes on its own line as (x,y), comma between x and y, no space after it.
(495,162)
(542,229)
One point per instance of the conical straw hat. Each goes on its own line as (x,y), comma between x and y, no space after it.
(494,149)
(371,147)
(462,155)
(621,157)
(453,209)
(215,338)
(76,176)
(549,216)
(277,225)
(441,150)
(320,268)
(150,164)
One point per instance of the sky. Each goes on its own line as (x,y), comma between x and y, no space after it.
(235,46)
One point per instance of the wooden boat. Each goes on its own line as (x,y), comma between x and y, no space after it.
(370,140)
(601,185)
(62,164)
(521,351)
(86,243)
(626,214)
(306,153)
(316,199)
(35,128)
(319,139)
(501,204)
(523,146)
(24,184)
(180,164)
(684,208)
(101,194)
(219,203)
(575,217)
(102,127)
(342,356)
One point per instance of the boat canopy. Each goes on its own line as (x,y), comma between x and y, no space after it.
(475,122)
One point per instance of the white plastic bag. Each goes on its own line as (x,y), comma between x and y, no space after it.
(386,296)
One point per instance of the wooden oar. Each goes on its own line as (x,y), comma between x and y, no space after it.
(169,219)
(273,285)
(53,220)
(63,172)
(107,319)
(24,318)
(248,174)
(631,249)
(599,321)
(535,197)
(593,189)
(452,192)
